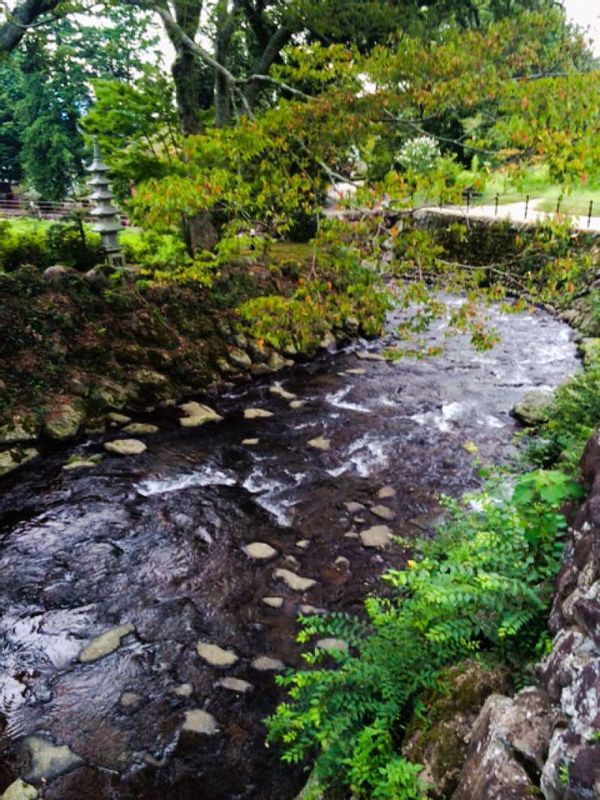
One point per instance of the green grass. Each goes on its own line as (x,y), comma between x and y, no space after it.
(537,184)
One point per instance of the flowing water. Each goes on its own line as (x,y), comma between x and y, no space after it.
(155,543)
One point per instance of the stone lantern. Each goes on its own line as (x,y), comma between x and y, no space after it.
(107,218)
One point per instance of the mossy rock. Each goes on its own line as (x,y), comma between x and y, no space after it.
(439,743)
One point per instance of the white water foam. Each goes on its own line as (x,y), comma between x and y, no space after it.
(337,399)
(205,476)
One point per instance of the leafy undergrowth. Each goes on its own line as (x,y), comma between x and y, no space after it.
(482,588)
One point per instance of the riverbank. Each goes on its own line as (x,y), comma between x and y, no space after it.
(81,353)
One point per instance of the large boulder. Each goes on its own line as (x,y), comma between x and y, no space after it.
(532,409)
(63,417)
(508,749)
(22,427)
(441,745)
(108,394)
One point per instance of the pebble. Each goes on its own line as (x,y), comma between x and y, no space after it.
(356,371)
(267,664)
(125,447)
(184,690)
(259,551)
(129,699)
(353,507)
(250,442)
(386,492)
(257,413)
(383,512)
(320,443)
(342,562)
(235,685)
(19,790)
(199,721)
(377,536)
(273,602)
(140,428)
(367,355)
(119,419)
(303,544)
(106,643)
(49,760)
(333,644)
(295,582)
(351,535)
(296,404)
(279,391)
(78,465)
(309,611)
(197,414)
(216,656)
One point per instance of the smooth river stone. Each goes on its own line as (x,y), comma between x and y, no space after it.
(257,413)
(303,544)
(197,414)
(106,643)
(216,656)
(296,404)
(383,512)
(377,536)
(366,355)
(19,790)
(259,551)
(386,492)
(129,699)
(250,442)
(199,721)
(267,664)
(332,644)
(77,465)
(354,508)
(356,371)
(125,447)
(294,581)
(118,419)
(235,685)
(279,391)
(320,443)
(140,428)
(49,760)
(273,602)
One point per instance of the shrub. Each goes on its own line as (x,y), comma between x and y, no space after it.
(573,416)
(483,586)
(70,244)
(26,246)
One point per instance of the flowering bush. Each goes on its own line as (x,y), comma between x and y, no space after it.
(419,154)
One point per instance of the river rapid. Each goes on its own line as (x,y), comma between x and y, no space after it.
(151,553)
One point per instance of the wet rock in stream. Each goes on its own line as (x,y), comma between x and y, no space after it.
(160,541)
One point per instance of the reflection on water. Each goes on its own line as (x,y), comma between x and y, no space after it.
(157,541)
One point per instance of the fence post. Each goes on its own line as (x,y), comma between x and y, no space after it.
(590,213)
(496,205)
(526,205)
(558,202)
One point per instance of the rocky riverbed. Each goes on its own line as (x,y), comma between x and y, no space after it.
(149,599)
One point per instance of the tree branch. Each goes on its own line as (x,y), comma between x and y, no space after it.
(21,19)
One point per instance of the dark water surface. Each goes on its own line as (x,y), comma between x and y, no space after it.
(155,542)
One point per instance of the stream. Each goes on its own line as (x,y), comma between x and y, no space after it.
(130,596)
